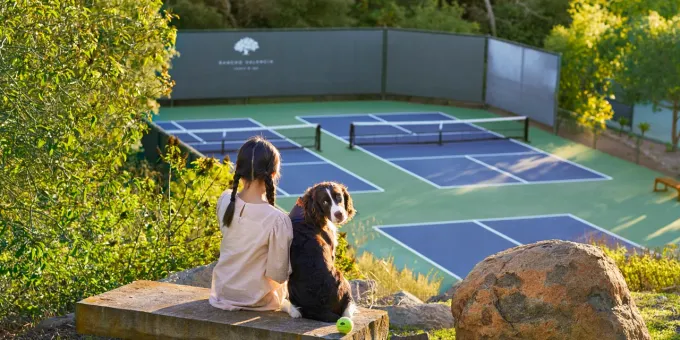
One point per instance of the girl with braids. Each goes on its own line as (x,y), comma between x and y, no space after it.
(253,268)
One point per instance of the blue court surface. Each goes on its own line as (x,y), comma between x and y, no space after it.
(455,247)
(300,167)
(475,161)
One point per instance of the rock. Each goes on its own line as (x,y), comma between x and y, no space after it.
(425,316)
(546,290)
(196,277)
(56,322)
(448,295)
(400,298)
(364,291)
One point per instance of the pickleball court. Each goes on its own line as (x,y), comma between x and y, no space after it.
(449,153)
(300,166)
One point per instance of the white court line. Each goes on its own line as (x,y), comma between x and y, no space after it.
(209,120)
(462,156)
(391,124)
(378,189)
(336,115)
(182,129)
(606,231)
(498,233)
(303,163)
(480,223)
(417,253)
(605,177)
(496,169)
(283,192)
(450,117)
(377,157)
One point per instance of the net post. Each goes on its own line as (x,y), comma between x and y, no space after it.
(526,129)
(317,137)
(351,135)
(441,132)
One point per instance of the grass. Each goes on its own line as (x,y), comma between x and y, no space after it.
(439,334)
(391,280)
(661,313)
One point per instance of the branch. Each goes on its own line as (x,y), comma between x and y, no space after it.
(528,10)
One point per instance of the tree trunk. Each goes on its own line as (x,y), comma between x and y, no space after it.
(675,136)
(492,18)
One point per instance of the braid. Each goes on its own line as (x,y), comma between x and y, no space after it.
(271,190)
(229,214)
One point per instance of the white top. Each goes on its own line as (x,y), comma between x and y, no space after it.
(254,264)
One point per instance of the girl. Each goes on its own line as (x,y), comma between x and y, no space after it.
(253,268)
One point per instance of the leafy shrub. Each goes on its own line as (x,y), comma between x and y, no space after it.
(79,213)
(390,280)
(656,271)
(345,260)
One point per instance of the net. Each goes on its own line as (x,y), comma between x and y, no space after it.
(438,132)
(223,141)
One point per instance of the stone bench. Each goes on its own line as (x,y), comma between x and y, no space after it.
(157,310)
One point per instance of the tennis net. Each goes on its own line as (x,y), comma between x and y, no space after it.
(223,141)
(438,132)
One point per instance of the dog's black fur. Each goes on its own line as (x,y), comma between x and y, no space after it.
(316,288)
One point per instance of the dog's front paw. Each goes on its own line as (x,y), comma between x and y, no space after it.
(294,313)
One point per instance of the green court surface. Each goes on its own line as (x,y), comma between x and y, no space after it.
(624,205)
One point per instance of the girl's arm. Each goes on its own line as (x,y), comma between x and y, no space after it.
(278,257)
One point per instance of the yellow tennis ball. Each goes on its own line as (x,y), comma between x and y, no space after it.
(344,325)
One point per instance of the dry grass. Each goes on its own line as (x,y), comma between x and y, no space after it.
(391,280)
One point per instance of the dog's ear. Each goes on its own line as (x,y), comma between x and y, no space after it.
(313,210)
(349,204)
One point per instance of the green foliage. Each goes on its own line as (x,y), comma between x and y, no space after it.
(661,314)
(345,260)
(192,14)
(657,271)
(80,214)
(585,69)
(649,64)
(434,334)
(429,16)
(623,122)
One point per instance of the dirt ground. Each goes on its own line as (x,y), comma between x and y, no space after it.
(653,155)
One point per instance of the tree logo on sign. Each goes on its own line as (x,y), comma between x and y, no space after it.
(246,45)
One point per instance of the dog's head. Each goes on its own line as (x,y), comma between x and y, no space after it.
(327,201)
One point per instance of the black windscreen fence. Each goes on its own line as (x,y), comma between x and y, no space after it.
(442,65)
(279,63)
(224,64)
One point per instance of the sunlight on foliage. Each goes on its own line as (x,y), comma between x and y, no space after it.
(657,271)
(81,213)
(391,280)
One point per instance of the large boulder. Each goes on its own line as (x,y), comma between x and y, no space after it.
(546,290)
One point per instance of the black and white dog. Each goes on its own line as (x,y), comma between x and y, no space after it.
(317,289)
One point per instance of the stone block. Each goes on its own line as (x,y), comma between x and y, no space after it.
(158,310)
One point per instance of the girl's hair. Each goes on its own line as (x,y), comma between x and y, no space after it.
(258,159)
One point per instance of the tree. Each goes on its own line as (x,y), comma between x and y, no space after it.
(79,214)
(650,65)
(440,17)
(586,70)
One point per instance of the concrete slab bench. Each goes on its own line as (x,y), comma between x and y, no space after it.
(157,310)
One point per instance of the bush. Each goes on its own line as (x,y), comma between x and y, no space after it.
(79,213)
(653,271)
